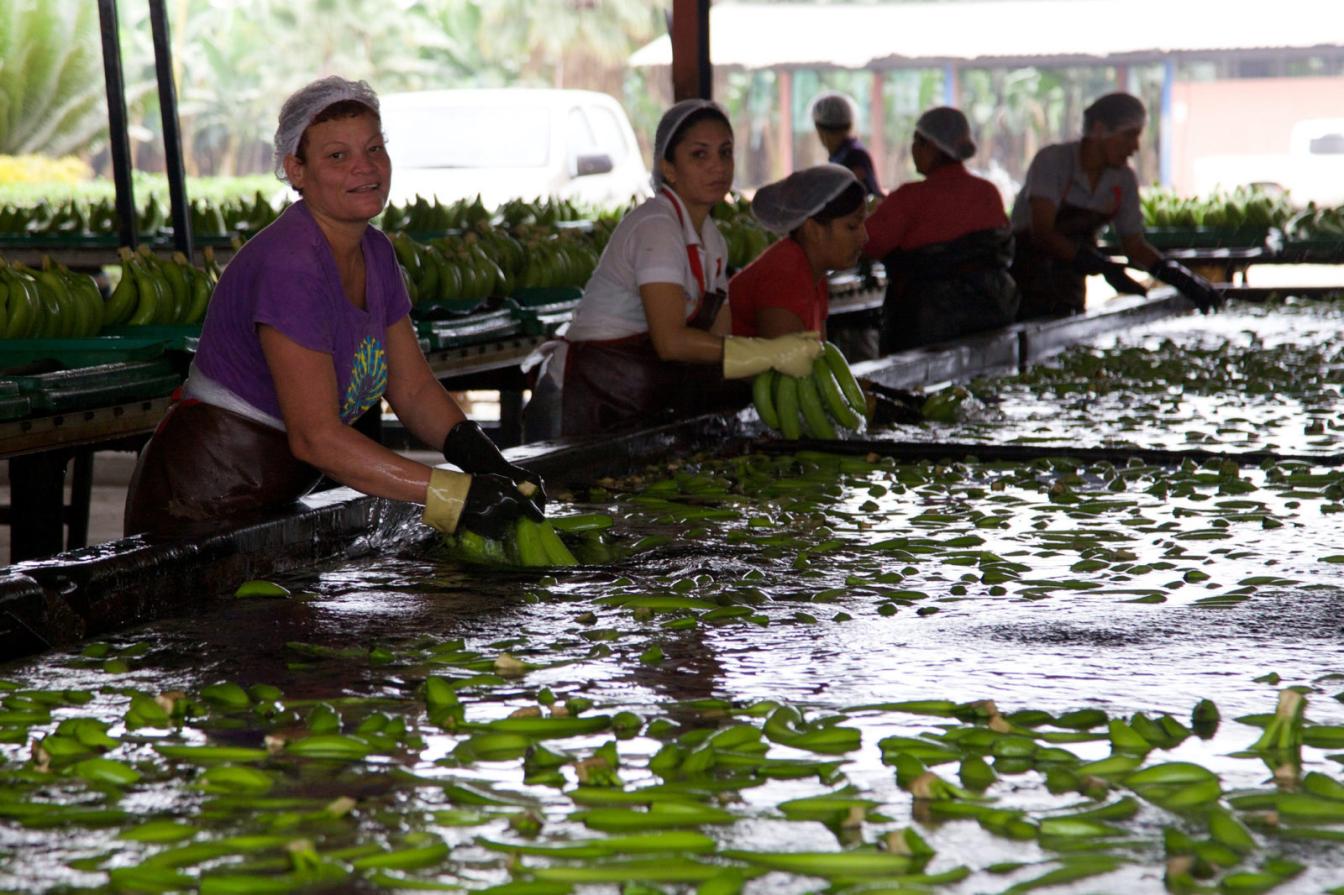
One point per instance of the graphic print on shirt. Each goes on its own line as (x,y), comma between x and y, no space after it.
(368,379)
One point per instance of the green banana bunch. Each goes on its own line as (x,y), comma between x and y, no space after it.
(814,404)
(121,304)
(941,406)
(207,219)
(5,297)
(198,288)
(532,545)
(488,261)
(150,296)
(170,283)
(18,306)
(80,302)
(156,290)
(49,321)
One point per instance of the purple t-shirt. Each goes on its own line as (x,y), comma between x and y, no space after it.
(286,277)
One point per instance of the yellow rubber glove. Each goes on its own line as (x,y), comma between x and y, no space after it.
(444,499)
(790,354)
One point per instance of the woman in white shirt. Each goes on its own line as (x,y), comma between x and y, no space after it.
(650,336)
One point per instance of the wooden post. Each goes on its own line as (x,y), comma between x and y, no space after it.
(692,71)
(784,148)
(877,123)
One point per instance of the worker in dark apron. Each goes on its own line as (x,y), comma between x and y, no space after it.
(944,242)
(649,340)
(1072,191)
(307,330)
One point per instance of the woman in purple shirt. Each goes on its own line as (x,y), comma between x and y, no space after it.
(309,328)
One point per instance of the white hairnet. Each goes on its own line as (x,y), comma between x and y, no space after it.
(670,124)
(833,110)
(948,129)
(784,205)
(307,103)
(1115,112)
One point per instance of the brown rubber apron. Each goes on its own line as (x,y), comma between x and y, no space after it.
(620,382)
(207,469)
(1051,287)
(614,383)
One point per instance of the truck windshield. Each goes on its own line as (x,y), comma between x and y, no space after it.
(468,137)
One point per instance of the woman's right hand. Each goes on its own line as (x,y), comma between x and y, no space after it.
(485,503)
(791,354)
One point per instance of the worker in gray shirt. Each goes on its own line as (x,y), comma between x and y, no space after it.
(1072,191)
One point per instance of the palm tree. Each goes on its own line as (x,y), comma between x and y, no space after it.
(51,85)
(555,35)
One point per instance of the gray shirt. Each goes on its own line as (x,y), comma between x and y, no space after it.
(1057,174)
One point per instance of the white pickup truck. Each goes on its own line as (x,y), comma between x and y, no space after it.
(1311,170)
(512,143)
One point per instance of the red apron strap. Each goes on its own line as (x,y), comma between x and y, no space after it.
(693,256)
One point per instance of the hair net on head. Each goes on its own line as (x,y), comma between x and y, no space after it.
(833,110)
(668,126)
(307,103)
(784,205)
(1115,112)
(948,129)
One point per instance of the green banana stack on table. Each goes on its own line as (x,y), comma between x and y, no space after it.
(51,302)
(153,290)
(815,404)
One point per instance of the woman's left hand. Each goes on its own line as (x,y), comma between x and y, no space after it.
(468,448)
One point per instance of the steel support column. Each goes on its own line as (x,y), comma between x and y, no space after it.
(119,141)
(951,87)
(172,133)
(1166,133)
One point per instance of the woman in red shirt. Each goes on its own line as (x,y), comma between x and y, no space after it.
(820,212)
(944,241)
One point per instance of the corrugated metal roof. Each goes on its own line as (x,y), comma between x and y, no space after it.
(765,35)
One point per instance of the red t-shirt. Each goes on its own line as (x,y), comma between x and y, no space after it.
(779,278)
(949,203)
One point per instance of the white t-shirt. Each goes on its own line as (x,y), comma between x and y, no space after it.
(1057,174)
(647,246)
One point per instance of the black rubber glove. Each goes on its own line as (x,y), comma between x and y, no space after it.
(494,505)
(1188,283)
(468,448)
(1090,261)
